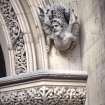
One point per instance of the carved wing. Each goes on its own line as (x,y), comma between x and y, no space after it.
(67,15)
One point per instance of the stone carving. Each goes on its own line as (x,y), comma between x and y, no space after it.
(16,35)
(60,25)
(45,95)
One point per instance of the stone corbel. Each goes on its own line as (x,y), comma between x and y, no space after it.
(61,26)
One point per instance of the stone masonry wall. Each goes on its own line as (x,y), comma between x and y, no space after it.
(93,52)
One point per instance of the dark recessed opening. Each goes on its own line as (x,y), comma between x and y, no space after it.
(2,64)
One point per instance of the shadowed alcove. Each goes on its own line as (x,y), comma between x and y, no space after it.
(2,64)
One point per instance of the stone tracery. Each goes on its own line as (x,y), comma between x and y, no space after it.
(16,35)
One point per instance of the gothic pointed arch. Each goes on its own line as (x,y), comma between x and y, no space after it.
(18,41)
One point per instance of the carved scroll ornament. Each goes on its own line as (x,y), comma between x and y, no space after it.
(45,95)
(16,35)
(60,25)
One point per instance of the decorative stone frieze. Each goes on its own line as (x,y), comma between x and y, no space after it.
(45,95)
(16,35)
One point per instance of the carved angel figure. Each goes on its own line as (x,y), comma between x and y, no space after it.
(60,25)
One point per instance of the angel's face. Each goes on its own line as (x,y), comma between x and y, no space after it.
(57,25)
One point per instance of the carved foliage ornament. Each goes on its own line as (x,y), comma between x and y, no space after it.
(60,25)
(16,35)
(44,96)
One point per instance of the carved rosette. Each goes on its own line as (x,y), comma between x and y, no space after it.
(16,35)
(45,95)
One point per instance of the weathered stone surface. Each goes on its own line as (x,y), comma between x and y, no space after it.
(93,48)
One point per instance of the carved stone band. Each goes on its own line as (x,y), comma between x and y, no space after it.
(45,95)
(44,89)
